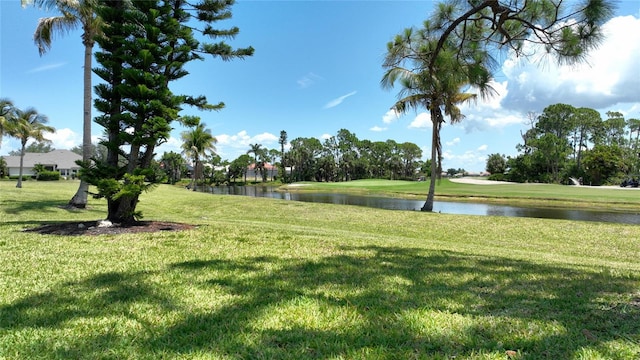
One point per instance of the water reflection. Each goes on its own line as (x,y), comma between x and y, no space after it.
(446,207)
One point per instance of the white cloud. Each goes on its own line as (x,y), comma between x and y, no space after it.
(488,114)
(46,67)
(390,116)
(338,101)
(265,138)
(325,136)
(231,146)
(608,81)
(378,128)
(422,121)
(453,142)
(308,80)
(469,160)
(64,138)
(173,144)
(243,139)
(610,76)
(483,147)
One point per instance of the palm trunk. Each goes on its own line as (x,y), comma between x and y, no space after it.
(428,205)
(79,200)
(19,184)
(195,174)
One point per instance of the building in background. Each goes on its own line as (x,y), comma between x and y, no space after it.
(63,161)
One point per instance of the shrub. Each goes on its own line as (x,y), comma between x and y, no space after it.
(48,176)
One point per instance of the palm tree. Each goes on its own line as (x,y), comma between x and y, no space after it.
(255,149)
(196,143)
(438,89)
(6,116)
(74,13)
(282,141)
(28,124)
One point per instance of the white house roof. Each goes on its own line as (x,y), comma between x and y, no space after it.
(63,159)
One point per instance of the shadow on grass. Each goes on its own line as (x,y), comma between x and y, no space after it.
(42,206)
(369,302)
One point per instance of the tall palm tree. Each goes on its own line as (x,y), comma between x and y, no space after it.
(282,141)
(74,14)
(28,124)
(255,149)
(438,89)
(197,142)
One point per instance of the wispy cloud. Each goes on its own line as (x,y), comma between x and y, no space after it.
(338,101)
(308,80)
(378,128)
(46,68)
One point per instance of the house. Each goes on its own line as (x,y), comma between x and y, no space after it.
(253,173)
(63,161)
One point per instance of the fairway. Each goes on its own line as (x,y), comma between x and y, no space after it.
(262,278)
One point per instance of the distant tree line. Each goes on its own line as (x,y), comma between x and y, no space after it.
(342,157)
(565,143)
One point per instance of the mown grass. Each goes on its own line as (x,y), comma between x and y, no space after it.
(523,194)
(272,279)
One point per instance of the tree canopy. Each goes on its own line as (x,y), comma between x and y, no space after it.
(145,46)
(454,50)
(565,142)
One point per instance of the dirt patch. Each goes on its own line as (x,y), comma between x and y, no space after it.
(96,228)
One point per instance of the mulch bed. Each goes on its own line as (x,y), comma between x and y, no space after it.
(92,228)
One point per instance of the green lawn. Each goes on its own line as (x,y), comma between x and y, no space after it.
(272,279)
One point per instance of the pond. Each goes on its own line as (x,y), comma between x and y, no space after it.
(447,207)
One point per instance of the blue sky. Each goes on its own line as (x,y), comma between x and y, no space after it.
(317,69)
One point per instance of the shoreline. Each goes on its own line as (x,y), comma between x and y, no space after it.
(554,203)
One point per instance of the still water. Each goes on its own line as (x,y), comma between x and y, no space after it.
(447,207)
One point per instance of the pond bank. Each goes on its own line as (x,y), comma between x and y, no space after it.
(474,190)
(440,206)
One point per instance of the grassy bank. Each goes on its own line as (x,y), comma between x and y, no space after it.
(272,279)
(508,193)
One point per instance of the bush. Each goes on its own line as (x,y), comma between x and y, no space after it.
(497,177)
(48,176)
(24,177)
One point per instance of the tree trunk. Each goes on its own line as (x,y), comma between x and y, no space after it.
(435,133)
(579,157)
(428,205)
(19,184)
(121,211)
(79,200)
(195,175)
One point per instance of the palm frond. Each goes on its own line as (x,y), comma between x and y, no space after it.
(48,27)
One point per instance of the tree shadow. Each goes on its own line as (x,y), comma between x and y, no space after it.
(106,293)
(371,302)
(39,206)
